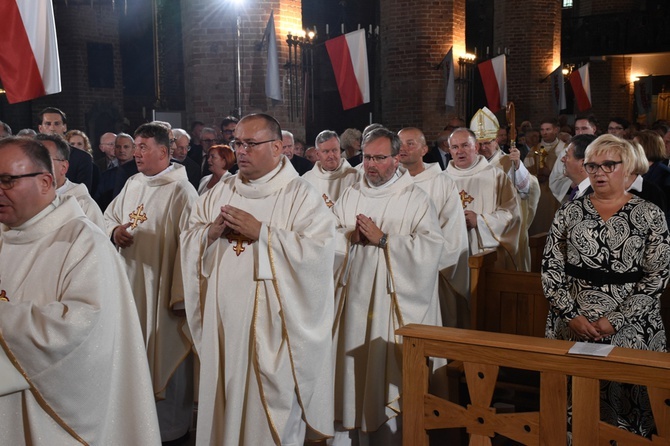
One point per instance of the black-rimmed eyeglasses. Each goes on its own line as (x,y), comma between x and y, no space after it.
(607,167)
(7,181)
(248,145)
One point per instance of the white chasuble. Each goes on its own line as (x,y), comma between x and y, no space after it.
(378,291)
(331,184)
(261,312)
(487,191)
(69,325)
(88,205)
(158,208)
(454,282)
(529,198)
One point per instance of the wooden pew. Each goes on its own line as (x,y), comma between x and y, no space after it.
(482,355)
(505,301)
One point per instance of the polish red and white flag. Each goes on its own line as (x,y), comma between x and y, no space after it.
(494,77)
(29,64)
(349,55)
(581,86)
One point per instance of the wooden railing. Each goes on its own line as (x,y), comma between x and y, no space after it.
(484,353)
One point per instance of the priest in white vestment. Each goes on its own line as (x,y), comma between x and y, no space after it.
(60,154)
(454,280)
(485,126)
(258,258)
(144,221)
(72,359)
(331,174)
(488,199)
(390,237)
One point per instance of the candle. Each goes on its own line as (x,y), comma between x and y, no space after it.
(370,29)
(342,28)
(327,29)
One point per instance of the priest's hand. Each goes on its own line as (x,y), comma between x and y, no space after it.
(241,221)
(470,220)
(355,237)
(583,329)
(515,157)
(217,229)
(604,328)
(368,229)
(121,237)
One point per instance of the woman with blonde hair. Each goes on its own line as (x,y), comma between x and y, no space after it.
(79,140)
(604,268)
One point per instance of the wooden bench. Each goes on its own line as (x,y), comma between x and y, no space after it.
(482,355)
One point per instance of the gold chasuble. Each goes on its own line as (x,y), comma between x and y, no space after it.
(454,271)
(69,326)
(331,183)
(157,208)
(378,291)
(261,311)
(487,191)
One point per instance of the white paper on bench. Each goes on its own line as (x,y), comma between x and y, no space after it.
(591,349)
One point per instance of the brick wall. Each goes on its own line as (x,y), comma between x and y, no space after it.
(611,92)
(209,29)
(93,110)
(415,36)
(534,52)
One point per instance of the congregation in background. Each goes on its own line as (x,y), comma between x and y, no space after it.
(235,269)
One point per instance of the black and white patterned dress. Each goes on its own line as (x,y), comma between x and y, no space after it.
(634,240)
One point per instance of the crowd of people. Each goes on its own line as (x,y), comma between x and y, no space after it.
(222,269)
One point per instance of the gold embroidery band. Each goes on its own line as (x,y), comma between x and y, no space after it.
(38,396)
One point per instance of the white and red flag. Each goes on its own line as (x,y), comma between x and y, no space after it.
(29,65)
(581,86)
(494,78)
(349,55)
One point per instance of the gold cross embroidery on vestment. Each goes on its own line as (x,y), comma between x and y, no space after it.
(239,239)
(3,296)
(328,201)
(465,198)
(137,216)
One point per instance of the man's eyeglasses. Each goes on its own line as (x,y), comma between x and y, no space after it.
(248,145)
(607,167)
(376,158)
(7,181)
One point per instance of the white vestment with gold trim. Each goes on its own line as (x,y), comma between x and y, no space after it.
(71,328)
(454,271)
(378,291)
(487,191)
(331,183)
(261,313)
(159,206)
